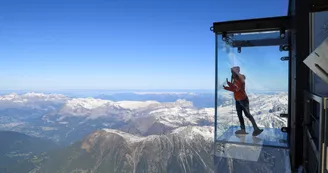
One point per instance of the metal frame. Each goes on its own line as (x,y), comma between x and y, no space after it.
(314,5)
(216,92)
(259,42)
(324,151)
(319,5)
(311,47)
(289,89)
(320,152)
(252,25)
(299,75)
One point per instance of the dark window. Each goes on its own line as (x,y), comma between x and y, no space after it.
(320,33)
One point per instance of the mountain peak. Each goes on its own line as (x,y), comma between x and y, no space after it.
(87,103)
(184,103)
(137,104)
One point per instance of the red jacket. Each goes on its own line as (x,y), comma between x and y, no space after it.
(238,88)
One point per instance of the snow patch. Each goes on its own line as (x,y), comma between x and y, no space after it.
(87,103)
(160,93)
(127,136)
(31,100)
(190,132)
(137,104)
(63,122)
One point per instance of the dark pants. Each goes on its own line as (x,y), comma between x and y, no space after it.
(243,106)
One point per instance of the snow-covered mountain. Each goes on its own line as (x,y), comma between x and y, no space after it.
(172,113)
(73,118)
(184,150)
(199,99)
(31,101)
(94,108)
(120,135)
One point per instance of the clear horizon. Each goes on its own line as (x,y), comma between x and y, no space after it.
(92,93)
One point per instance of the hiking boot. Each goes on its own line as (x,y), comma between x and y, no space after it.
(257,132)
(240,132)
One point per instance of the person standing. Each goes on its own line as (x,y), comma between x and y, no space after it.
(237,86)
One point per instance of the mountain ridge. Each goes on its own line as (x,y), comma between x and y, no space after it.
(170,153)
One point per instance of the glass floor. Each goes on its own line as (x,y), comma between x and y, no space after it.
(266,153)
(251,159)
(271,137)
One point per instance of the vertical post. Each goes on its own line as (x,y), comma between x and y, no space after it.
(289,87)
(215,102)
(216,87)
(324,146)
(321,131)
(305,122)
(322,137)
(325,134)
(299,76)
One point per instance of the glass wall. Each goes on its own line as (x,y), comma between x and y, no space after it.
(252,89)
(252,103)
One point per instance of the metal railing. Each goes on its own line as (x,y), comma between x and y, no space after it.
(315,144)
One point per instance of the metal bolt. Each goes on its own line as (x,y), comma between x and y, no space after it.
(282,35)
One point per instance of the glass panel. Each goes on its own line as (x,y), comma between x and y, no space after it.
(258,93)
(320,33)
(269,137)
(251,159)
(263,99)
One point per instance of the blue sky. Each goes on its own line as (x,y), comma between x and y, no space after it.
(125,44)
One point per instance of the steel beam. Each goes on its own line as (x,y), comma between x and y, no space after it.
(263,42)
(252,25)
(319,5)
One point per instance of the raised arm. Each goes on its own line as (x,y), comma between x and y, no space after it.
(229,84)
(228,88)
